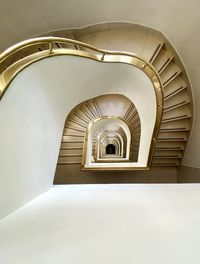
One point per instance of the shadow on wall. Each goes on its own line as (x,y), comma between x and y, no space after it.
(74,175)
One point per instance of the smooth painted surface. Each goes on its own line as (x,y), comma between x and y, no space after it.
(34,109)
(112,224)
(188,175)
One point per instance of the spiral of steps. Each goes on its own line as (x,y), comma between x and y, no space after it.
(156,49)
(71,150)
(152,46)
(176,121)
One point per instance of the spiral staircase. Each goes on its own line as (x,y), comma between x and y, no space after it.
(71,150)
(154,48)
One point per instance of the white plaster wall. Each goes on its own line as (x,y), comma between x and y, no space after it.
(34,109)
(111,224)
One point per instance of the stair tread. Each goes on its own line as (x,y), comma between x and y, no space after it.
(169,73)
(162,60)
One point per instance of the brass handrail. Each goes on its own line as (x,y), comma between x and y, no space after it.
(42,40)
(51,40)
(13,67)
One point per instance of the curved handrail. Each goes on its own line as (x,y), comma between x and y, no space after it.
(52,40)
(7,74)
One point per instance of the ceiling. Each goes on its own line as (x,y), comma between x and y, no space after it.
(179,20)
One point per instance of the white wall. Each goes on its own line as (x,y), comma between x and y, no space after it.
(33,111)
(105,224)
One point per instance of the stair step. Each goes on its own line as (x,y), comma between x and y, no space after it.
(68,131)
(78,117)
(171,139)
(174,87)
(162,60)
(172,154)
(70,155)
(73,128)
(180,125)
(156,50)
(85,113)
(72,138)
(92,108)
(68,162)
(70,159)
(165,163)
(169,74)
(73,145)
(71,151)
(177,100)
(179,113)
(76,124)
(173,136)
(170,145)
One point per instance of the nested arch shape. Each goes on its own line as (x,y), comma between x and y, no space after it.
(91,130)
(104,137)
